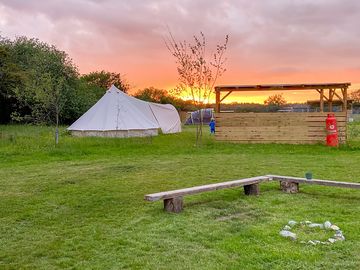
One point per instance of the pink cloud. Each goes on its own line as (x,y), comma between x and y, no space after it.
(270,41)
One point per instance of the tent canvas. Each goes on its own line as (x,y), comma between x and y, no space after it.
(118,115)
(165,115)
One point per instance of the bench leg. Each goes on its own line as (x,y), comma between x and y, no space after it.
(252,189)
(174,205)
(289,187)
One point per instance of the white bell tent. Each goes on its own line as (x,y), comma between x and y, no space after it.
(118,115)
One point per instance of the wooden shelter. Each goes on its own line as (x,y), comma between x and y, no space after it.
(281,127)
(335,103)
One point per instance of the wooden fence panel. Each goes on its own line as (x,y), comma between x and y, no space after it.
(308,128)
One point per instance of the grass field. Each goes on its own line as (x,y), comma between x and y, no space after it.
(80,205)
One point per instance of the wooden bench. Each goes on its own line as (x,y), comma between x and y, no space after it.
(173,200)
(290,184)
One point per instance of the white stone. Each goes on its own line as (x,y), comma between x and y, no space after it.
(316,225)
(332,240)
(287,228)
(327,224)
(334,227)
(312,243)
(339,237)
(292,223)
(307,222)
(288,234)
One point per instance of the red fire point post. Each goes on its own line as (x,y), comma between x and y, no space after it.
(332,132)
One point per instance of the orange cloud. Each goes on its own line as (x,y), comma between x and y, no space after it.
(265,46)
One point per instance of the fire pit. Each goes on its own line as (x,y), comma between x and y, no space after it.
(299,231)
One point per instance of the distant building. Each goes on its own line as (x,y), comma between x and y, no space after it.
(296,108)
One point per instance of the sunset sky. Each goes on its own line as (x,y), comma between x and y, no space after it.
(299,41)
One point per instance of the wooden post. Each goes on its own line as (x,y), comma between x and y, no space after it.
(174,205)
(344,92)
(252,189)
(322,100)
(331,95)
(217,101)
(289,187)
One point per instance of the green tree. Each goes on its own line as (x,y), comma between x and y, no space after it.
(10,76)
(104,79)
(152,94)
(275,100)
(86,95)
(355,95)
(49,81)
(57,84)
(41,84)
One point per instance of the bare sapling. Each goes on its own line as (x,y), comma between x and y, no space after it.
(197,72)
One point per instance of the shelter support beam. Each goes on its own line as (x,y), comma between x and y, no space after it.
(344,107)
(338,96)
(320,88)
(321,100)
(344,94)
(228,93)
(332,93)
(281,87)
(217,101)
(331,96)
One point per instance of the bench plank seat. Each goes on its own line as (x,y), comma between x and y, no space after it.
(205,188)
(320,182)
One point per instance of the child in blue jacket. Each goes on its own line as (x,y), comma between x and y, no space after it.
(212,126)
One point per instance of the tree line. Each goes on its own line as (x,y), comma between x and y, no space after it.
(41,84)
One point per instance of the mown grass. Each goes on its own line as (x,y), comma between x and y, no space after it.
(80,205)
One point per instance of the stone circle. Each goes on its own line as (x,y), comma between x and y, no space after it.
(287,233)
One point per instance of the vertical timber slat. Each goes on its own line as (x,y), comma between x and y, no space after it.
(331,95)
(321,100)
